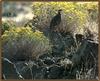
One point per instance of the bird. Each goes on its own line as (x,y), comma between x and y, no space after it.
(56,20)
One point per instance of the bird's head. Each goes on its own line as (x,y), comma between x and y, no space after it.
(59,11)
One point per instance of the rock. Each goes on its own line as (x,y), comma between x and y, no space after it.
(40,73)
(86,56)
(56,72)
(32,71)
(92,47)
(49,61)
(58,44)
(27,74)
(26,70)
(9,69)
(21,66)
(85,51)
(45,56)
(69,42)
(58,51)
(40,62)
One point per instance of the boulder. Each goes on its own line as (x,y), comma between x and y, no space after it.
(9,70)
(55,72)
(49,61)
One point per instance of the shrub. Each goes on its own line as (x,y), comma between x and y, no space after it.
(74,14)
(6,25)
(22,43)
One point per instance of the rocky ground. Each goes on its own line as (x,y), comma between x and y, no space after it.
(70,59)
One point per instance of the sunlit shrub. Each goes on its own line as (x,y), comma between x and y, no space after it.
(6,25)
(91,31)
(74,14)
(23,43)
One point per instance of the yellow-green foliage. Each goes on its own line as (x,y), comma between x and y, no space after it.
(74,15)
(23,38)
(6,25)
